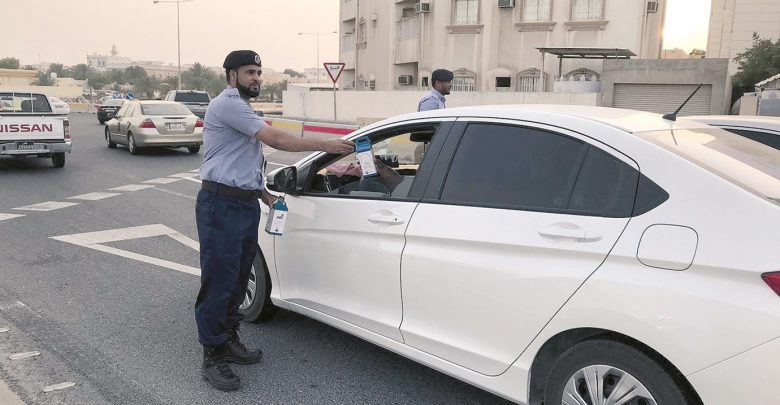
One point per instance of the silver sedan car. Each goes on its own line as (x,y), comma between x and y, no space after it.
(151,123)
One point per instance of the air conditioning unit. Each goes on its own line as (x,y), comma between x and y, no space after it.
(405,80)
(506,3)
(652,6)
(422,7)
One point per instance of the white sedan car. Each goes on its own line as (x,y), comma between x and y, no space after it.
(547,254)
(762,129)
(59,106)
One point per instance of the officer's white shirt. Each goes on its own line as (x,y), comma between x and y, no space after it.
(231,153)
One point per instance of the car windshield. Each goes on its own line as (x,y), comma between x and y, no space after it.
(192,97)
(751,165)
(114,102)
(164,109)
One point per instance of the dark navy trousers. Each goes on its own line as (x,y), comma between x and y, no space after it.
(227,229)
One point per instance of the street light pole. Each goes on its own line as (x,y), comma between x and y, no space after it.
(317,34)
(178,34)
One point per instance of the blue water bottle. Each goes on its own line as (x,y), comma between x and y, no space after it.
(276,217)
(365,156)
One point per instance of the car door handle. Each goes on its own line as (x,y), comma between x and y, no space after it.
(385,218)
(565,230)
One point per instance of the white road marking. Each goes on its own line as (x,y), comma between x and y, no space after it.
(94,240)
(93,196)
(3,330)
(193,179)
(195,171)
(15,304)
(164,190)
(184,175)
(161,180)
(4,217)
(131,187)
(47,206)
(25,355)
(277,164)
(60,386)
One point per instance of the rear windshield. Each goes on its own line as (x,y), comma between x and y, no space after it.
(192,97)
(746,163)
(114,101)
(164,109)
(23,103)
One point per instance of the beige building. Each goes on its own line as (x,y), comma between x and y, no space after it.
(491,45)
(733,22)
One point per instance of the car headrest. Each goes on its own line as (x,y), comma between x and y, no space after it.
(421,136)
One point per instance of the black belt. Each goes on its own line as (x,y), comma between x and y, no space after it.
(229,191)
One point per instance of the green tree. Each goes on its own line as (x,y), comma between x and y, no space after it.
(59,69)
(9,63)
(145,87)
(29,67)
(97,80)
(759,62)
(216,85)
(81,71)
(293,73)
(43,79)
(273,91)
(197,77)
(698,53)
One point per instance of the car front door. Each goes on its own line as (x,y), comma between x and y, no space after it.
(341,249)
(511,225)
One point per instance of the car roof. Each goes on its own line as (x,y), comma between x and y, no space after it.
(631,121)
(743,121)
(157,102)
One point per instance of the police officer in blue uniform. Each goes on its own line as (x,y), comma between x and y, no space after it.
(441,80)
(228,212)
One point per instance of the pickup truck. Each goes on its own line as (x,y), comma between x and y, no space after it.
(29,127)
(196,101)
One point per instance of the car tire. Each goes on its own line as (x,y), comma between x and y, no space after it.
(58,159)
(109,143)
(257,305)
(131,146)
(194,149)
(619,366)
(101,122)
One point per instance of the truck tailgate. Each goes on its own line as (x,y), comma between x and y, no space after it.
(29,128)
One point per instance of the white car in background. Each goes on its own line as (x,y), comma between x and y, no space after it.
(548,254)
(762,129)
(59,106)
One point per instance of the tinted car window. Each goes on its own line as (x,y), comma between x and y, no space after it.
(513,167)
(192,97)
(768,139)
(606,186)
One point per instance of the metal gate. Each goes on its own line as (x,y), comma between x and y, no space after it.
(663,98)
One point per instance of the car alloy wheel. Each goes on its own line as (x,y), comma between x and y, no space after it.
(131,146)
(257,305)
(109,143)
(606,385)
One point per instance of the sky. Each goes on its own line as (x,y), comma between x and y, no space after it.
(210,29)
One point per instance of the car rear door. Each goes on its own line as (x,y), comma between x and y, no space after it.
(512,223)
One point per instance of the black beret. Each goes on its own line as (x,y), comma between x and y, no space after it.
(441,75)
(236,59)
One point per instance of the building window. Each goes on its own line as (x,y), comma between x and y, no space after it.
(587,10)
(464,80)
(536,10)
(503,81)
(466,12)
(529,81)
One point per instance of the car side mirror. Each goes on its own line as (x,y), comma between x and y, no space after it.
(282,180)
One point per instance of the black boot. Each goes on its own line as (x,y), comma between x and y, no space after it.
(216,371)
(236,352)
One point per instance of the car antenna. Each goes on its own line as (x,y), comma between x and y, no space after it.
(673,116)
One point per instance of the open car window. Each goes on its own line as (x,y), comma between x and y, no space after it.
(398,155)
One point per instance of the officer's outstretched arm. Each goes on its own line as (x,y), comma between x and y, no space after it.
(278,139)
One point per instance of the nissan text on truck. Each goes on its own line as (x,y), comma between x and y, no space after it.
(30,128)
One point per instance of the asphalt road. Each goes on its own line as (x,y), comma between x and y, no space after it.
(123,329)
